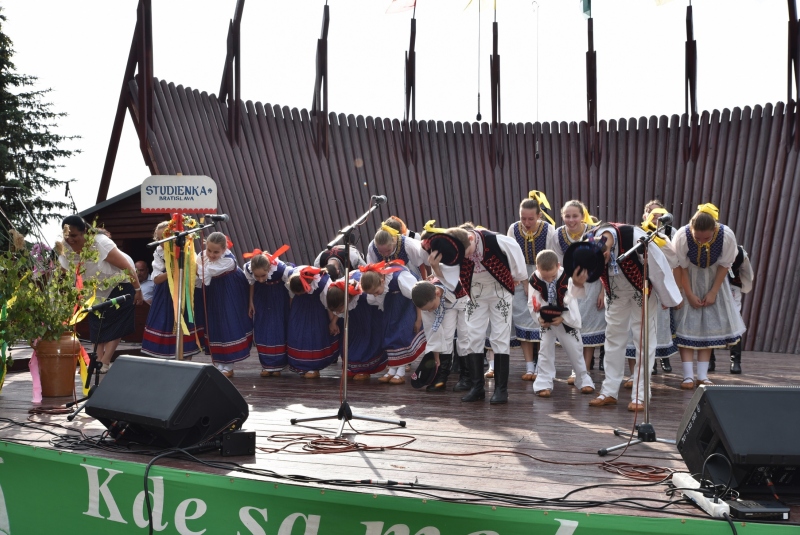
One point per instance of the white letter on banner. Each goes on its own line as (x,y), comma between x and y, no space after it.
(567,527)
(376,528)
(249,522)
(96,490)
(181,518)
(312,524)
(485,533)
(156,505)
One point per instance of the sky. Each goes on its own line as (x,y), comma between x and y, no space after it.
(79,50)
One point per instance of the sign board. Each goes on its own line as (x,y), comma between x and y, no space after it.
(166,194)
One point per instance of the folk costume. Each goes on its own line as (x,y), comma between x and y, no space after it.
(401,343)
(740,278)
(309,344)
(365,354)
(489,276)
(624,283)
(229,329)
(720,324)
(271,312)
(160,334)
(407,249)
(562,294)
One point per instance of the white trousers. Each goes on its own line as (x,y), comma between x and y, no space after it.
(490,306)
(572,344)
(623,315)
(455,320)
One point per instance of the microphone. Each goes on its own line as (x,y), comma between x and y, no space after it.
(3,188)
(665,219)
(105,304)
(218,217)
(379,199)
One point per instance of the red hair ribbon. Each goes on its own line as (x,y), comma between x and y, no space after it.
(307,275)
(353,289)
(256,252)
(273,258)
(229,242)
(384,267)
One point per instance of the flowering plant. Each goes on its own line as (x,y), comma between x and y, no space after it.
(40,298)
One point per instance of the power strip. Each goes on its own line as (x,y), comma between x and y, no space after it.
(685,481)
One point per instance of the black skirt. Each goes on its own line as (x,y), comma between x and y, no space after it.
(117,322)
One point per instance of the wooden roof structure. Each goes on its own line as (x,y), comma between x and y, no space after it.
(293,176)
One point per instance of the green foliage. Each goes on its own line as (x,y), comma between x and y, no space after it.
(41,296)
(29,150)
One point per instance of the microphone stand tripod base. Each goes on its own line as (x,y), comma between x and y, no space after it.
(345,414)
(645,432)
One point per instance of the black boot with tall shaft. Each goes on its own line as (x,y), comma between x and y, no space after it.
(460,365)
(501,363)
(440,381)
(736,357)
(475,365)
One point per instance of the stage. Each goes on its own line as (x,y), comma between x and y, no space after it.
(533,451)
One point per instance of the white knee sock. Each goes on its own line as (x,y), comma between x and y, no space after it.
(392,371)
(688,370)
(491,365)
(401,371)
(702,371)
(530,367)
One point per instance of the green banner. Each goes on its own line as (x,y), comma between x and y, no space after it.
(47,491)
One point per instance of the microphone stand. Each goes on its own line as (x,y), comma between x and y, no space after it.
(645,432)
(345,414)
(180,241)
(92,369)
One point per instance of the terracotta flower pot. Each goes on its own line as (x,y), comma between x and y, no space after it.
(57,361)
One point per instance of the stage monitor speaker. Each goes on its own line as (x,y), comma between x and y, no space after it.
(756,428)
(166,403)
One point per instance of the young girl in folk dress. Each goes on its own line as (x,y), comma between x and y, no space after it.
(269,308)
(389,287)
(229,330)
(312,338)
(389,244)
(160,336)
(577,222)
(709,318)
(532,234)
(365,353)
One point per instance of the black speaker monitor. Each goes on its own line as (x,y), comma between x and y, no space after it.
(757,428)
(166,403)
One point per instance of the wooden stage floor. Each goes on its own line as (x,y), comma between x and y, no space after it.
(448,434)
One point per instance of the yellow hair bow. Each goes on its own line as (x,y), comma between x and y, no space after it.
(589,220)
(709,209)
(394,232)
(651,225)
(433,230)
(543,203)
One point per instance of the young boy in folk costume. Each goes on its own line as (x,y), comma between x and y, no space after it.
(553,303)
(389,286)
(740,278)
(532,235)
(624,284)
(269,308)
(706,250)
(389,244)
(442,302)
(493,265)
(578,222)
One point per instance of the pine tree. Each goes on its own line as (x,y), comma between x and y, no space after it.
(29,150)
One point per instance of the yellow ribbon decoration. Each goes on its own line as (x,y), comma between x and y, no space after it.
(589,220)
(429,227)
(709,209)
(541,200)
(81,313)
(650,225)
(394,232)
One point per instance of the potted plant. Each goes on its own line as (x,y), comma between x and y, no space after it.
(42,303)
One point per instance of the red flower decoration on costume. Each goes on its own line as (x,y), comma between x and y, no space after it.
(353,289)
(383,267)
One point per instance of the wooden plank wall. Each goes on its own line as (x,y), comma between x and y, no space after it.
(278,191)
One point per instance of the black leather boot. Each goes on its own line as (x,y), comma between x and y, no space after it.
(736,357)
(712,362)
(601,366)
(463,384)
(665,365)
(655,367)
(475,365)
(591,362)
(500,396)
(439,383)
(536,354)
